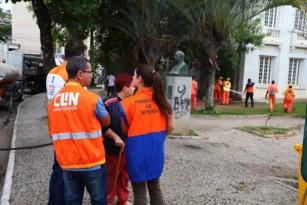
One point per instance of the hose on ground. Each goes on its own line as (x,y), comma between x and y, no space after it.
(27,147)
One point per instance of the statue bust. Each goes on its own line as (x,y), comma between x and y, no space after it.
(180,68)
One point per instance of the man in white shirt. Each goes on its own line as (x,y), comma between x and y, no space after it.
(110,83)
(56,80)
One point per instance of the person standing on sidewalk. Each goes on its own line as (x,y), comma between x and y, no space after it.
(147,117)
(194,93)
(76,118)
(249,90)
(271,92)
(110,83)
(114,139)
(57,77)
(289,94)
(55,81)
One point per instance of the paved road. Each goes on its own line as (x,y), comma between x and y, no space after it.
(229,167)
(6,130)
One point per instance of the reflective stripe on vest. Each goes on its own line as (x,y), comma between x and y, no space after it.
(76,135)
(74,128)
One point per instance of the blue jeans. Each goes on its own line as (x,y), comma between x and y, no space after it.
(56,186)
(95,181)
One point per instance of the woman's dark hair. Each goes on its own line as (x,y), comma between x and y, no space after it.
(153,79)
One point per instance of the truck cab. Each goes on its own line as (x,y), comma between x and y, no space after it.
(34,72)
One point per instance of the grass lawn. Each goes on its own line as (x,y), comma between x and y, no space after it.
(298,109)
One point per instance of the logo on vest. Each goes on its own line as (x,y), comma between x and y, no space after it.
(66,101)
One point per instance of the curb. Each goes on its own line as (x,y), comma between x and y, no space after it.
(6,192)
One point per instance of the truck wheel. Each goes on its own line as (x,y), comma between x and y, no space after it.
(21,92)
(10,102)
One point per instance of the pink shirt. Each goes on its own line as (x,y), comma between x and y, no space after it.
(194,87)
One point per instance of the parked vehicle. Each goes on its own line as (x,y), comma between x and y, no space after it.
(11,87)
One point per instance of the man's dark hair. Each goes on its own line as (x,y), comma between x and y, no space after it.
(273,81)
(193,77)
(74,48)
(76,64)
(249,80)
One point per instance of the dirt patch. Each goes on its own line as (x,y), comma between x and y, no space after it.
(270,131)
(276,171)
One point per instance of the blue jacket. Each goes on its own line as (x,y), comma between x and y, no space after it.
(111,104)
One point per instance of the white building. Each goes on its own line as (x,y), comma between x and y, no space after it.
(25,31)
(283,56)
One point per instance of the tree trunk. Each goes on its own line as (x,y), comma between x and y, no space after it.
(210,90)
(238,96)
(91,53)
(44,24)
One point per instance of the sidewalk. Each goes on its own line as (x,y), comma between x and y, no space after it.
(32,167)
(229,167)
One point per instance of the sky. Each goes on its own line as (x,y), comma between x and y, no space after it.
(6,6)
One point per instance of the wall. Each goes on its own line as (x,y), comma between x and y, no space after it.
(25,31)
(281,48)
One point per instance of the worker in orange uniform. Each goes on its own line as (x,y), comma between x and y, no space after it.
(56,79)
(194,93)
(114,139)
(289,94)
(271,93)
(76,120)
(147,117)
(218,89)
(226,90)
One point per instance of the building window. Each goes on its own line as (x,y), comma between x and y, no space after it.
(265,69)
(270,17)
(294,71)
(300,20)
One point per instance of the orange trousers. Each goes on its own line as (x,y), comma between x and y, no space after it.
(217,94)
(288,104)
(225,98)
(272,101)
(194,101)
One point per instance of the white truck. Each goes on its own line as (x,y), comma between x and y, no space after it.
(11,81)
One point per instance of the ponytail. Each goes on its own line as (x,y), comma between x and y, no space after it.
(153,79)
(159,95)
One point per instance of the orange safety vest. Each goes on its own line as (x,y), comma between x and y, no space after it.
(146,136)
(250,89)
(289,94)
(75,131)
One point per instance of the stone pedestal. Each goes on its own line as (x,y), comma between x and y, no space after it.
(178,91)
